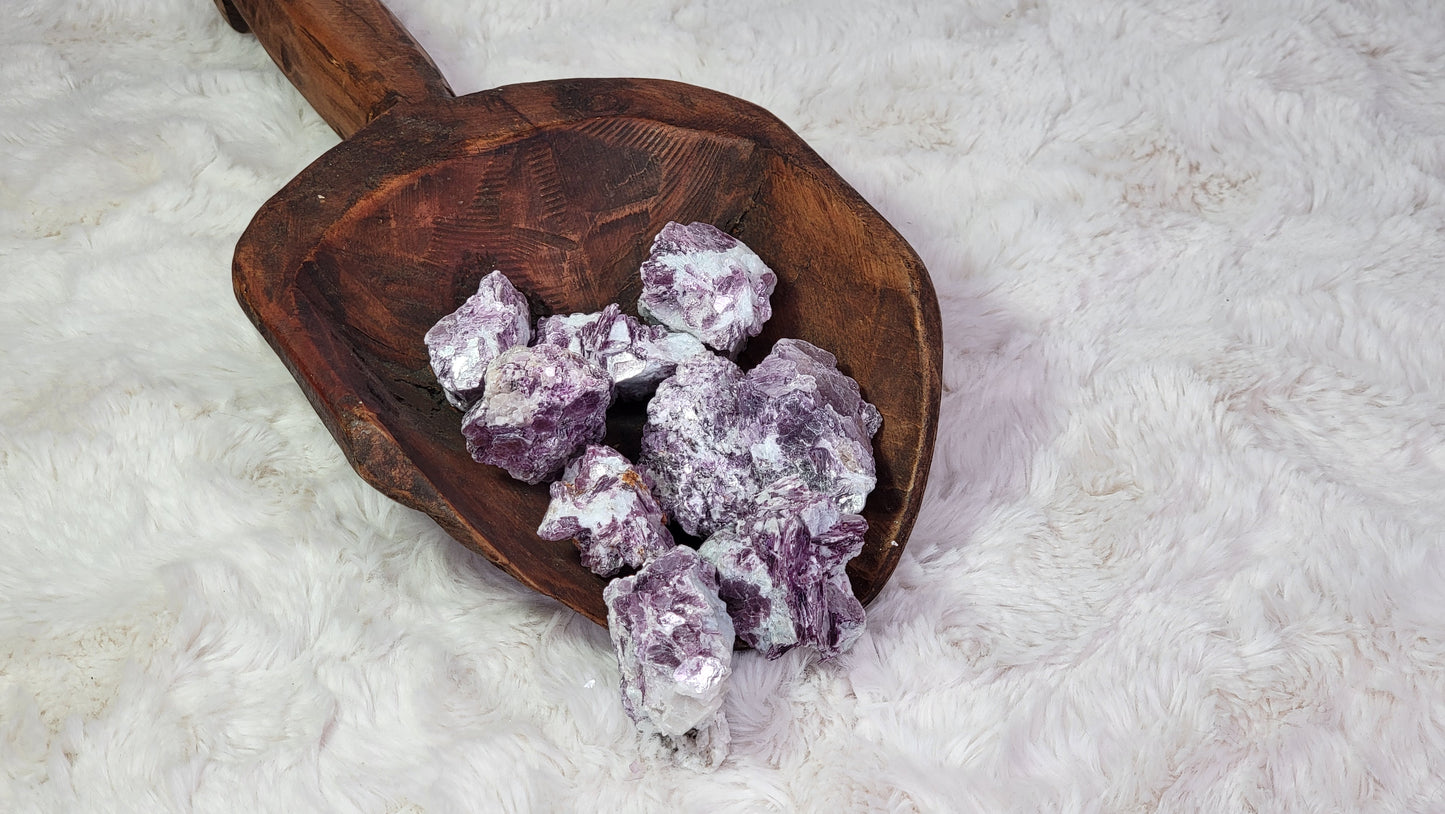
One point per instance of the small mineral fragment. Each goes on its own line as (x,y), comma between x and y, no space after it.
(810,421)
(636,356)
(703,281)
(674,644)
(540,405)
(462,343)
(607,507)
(781,571)
(696,447)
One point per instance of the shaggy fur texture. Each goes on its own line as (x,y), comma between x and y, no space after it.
(1181,551)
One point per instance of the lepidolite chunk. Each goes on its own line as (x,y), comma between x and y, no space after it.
(635,355)
(696,445)
(703,281)
(540,406)
(810,421)
(674,643)
(604,504)
(781,571)
(462,343)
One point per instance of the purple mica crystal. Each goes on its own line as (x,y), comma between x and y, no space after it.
(810,421)
(674,645)
(781,571)
(464,342)
(696,447)
(540,405)
(636,356)
(607,507)
(703,281)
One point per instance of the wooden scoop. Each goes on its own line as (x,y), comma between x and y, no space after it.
(561,185)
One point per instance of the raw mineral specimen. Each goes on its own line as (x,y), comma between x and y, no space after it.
(696,446)
(540,405)
(809,420)
(674,645)
(714,436)
(781,571)
(607,507)
(464,342)
(635,355)
(703,281)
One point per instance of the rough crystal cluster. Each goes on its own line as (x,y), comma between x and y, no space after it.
(674,643)
(696,445)
(605,505)
(703,281)
(540,406)
(716,436)
(464,342)
(636,356)
(781,571)
(811,422)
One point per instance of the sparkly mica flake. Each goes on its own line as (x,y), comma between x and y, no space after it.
(703,281)
(781,571)
(462,343)
(695,445)
(539,407)
(674,644)
(635,355)
(607,507)
(810,421)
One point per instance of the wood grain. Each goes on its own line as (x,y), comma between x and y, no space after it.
(353,61)
(561,185)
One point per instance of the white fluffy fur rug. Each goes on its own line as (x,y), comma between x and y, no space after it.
(1184,544)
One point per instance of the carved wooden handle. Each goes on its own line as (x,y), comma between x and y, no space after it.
(351,59)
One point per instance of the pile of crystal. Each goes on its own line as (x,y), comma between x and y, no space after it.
(703,281)
(770,466)
(606,507)
(530,409)
(674,643)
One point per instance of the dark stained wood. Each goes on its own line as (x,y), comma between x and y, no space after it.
(232,15)
(351,60)
(561,185)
